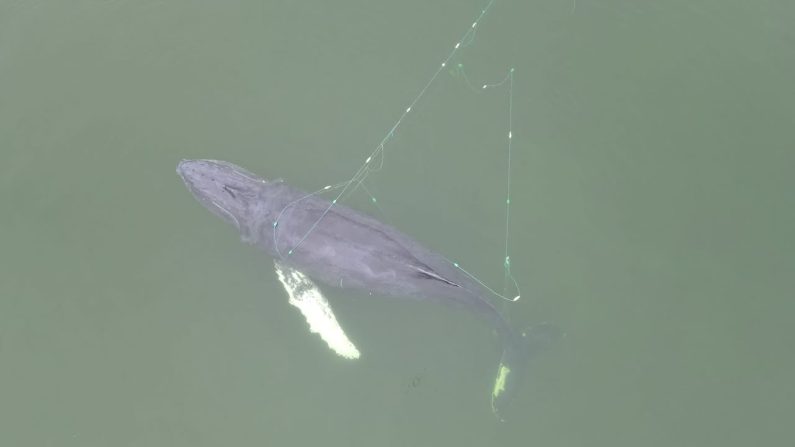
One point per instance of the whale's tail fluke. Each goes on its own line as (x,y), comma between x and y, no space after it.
(519,349)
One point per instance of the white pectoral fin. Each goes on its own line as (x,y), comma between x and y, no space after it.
(306,296)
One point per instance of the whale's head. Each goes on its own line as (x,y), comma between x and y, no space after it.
(227,190)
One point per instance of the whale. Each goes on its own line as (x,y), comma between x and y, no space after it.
(338,246)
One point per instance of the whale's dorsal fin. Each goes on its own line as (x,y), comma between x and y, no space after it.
(425,272)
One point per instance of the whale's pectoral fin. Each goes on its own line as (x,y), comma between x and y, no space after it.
(306,296)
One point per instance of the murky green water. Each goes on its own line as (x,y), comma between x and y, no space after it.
(652,213)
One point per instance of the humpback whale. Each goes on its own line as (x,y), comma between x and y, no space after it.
(345,248)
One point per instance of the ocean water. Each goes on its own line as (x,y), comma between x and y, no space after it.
(652,213)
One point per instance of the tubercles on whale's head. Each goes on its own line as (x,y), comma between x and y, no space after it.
(227,190)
